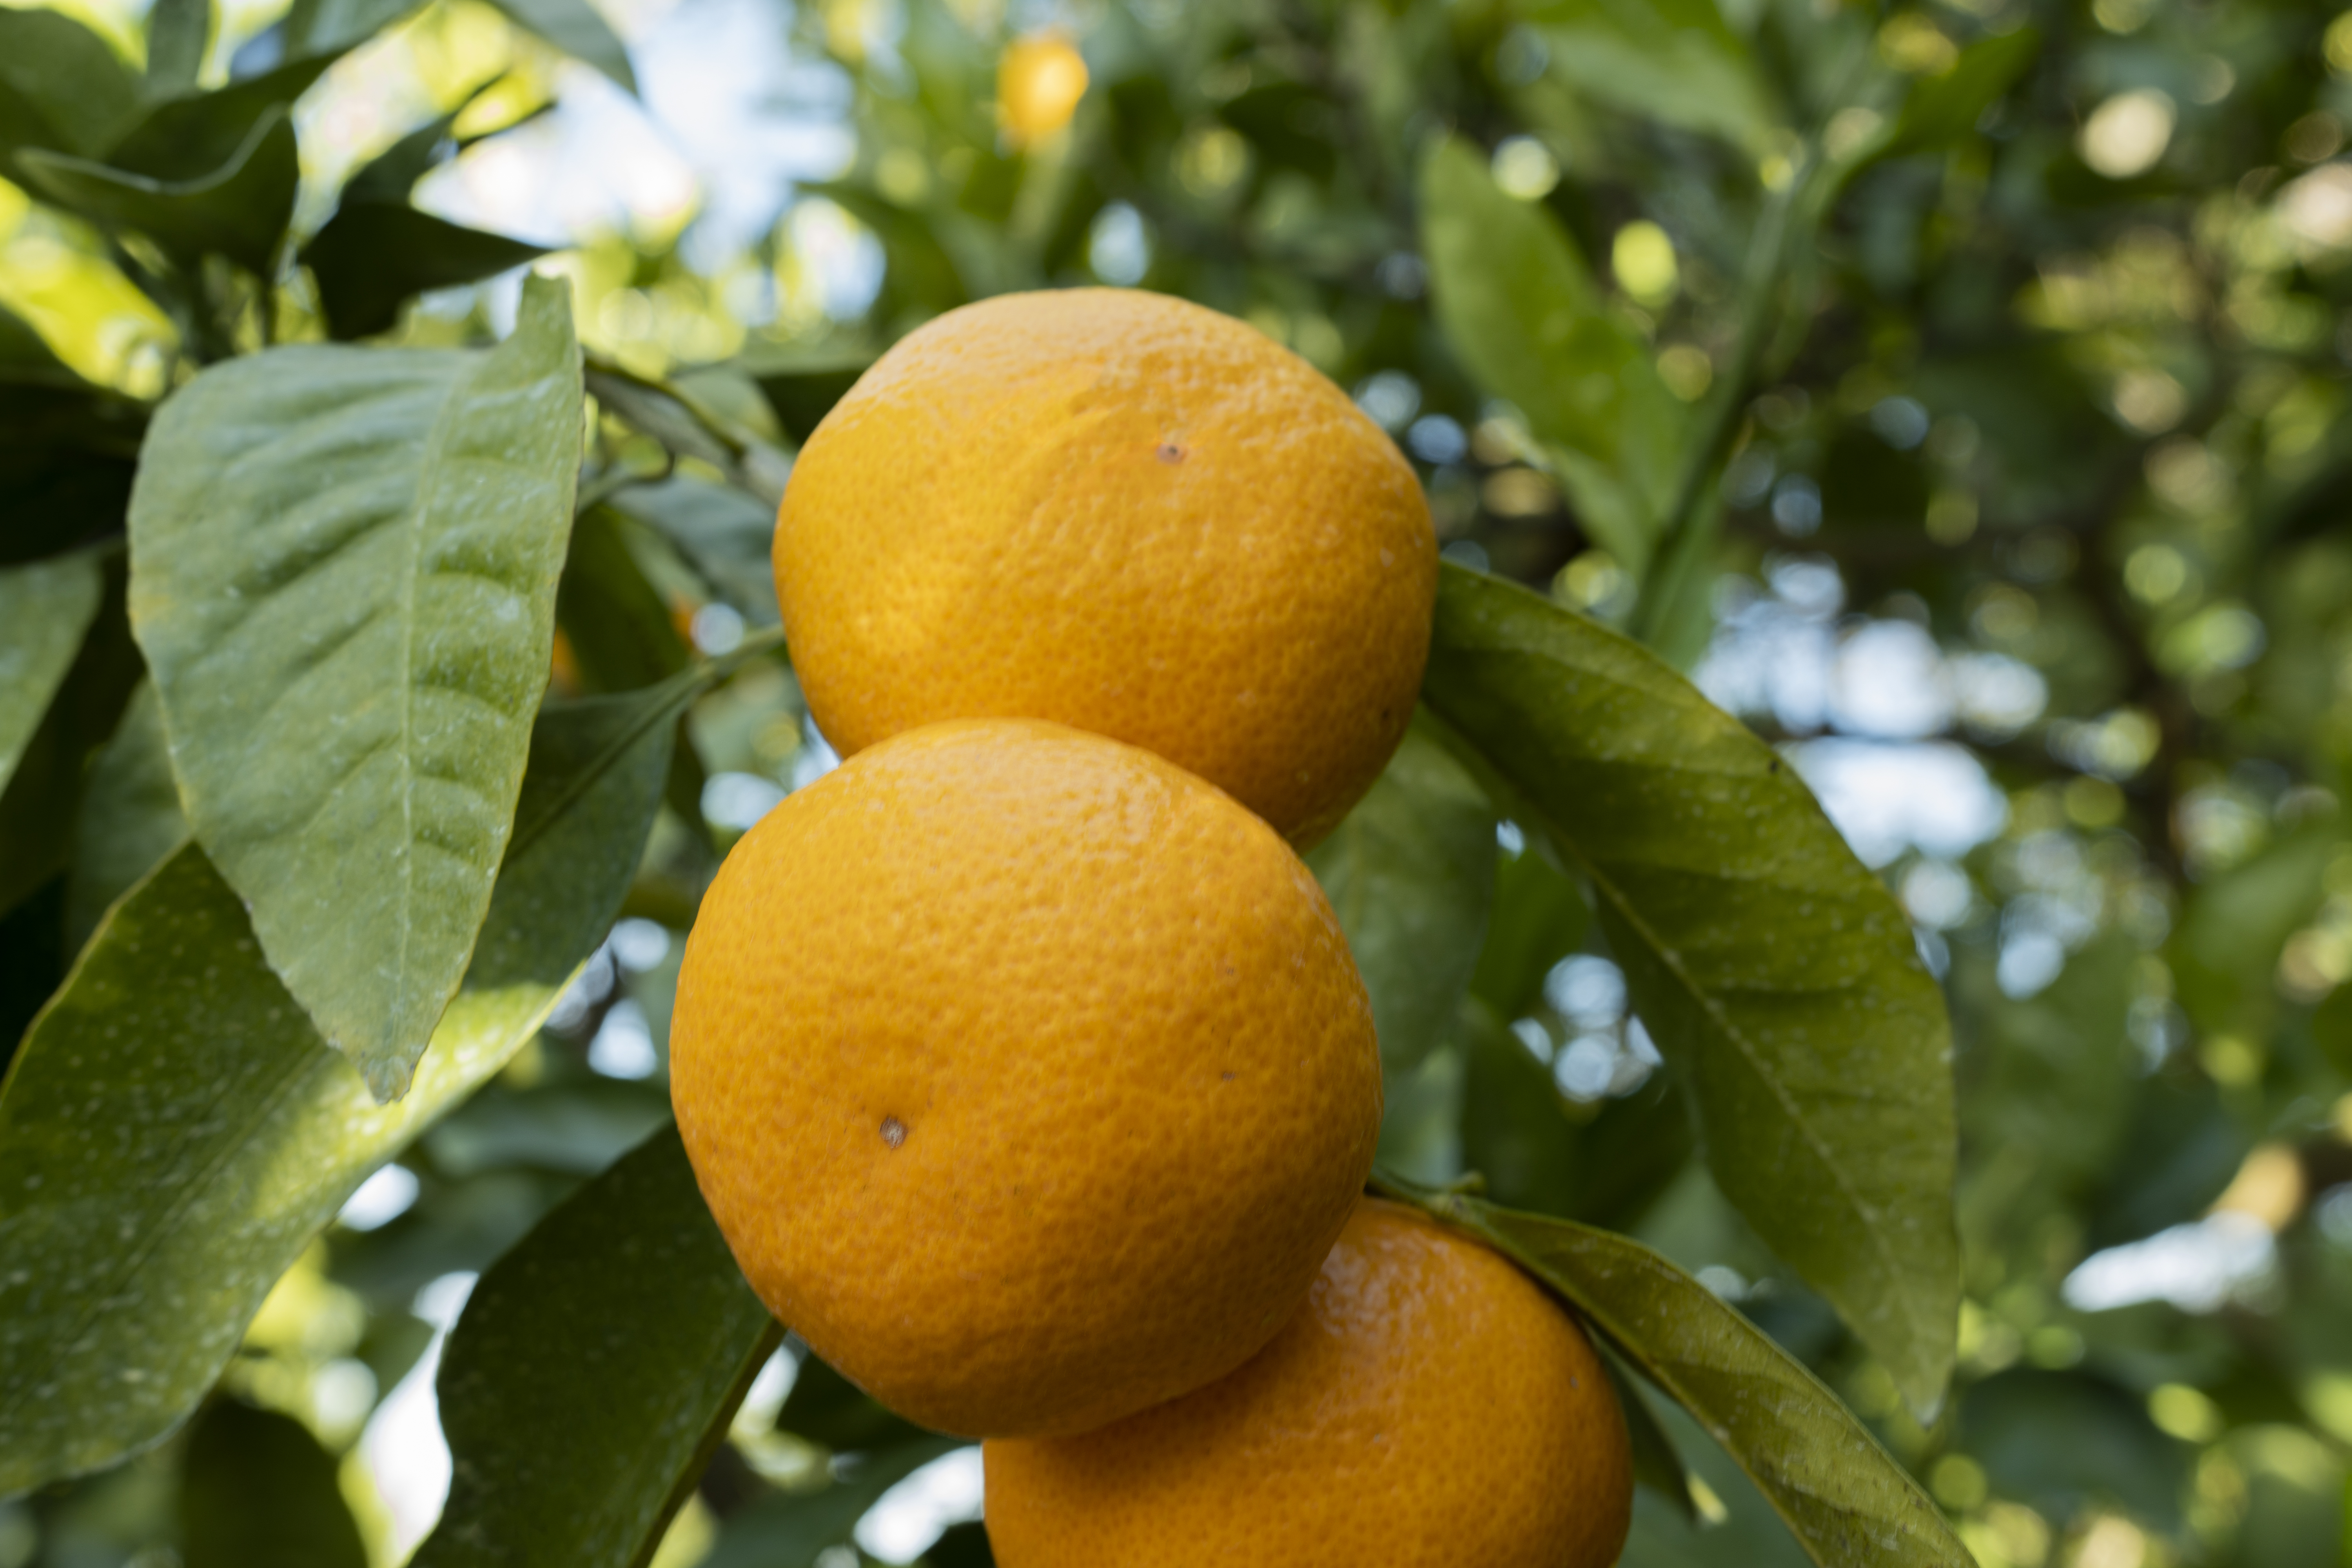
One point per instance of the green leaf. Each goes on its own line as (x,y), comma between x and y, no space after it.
(2052,1084)
(68,451)
(1775,971)
(1656,1465)
(802,382)
(788,1531)
(240,210)
(39,806)
(593,1373)
(391,174)
(372,258)
(61,86)
(1942,109)
(1675,61)
(173,1133)
(45,609)
(1521,310)
(2331,1028)
(1411,872)
(2226,946)
(621,633)
(129,820)
(1540,917)
(179,32)
(27,359)
(345,559)
(190,137)
(1848,1503)
(257,1491)
(577,28)
(724,535)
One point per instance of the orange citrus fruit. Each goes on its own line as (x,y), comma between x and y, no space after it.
(1430,1405)
(1028,1076)
(1123,513)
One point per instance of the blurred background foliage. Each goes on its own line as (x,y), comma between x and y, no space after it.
(2022,328)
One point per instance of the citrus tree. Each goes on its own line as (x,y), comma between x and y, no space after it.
(385,687)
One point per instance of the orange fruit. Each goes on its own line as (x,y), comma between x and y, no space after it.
(1028,1076)
(1123,513)
(1039,79)
(1430,1405)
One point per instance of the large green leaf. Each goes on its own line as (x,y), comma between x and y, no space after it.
(577,28)
(1411,872)
(45,610)
(173,1132)
(1775,972)
(1672,60)
(1848,1503)
(240,209)
(191,136)
(257,1491)
(1520,309)
(61,86)
(593,1373)
(374,256)
(344,561)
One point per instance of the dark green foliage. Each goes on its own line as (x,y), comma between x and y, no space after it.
(257,1491)
(573,1440)
(1932,359)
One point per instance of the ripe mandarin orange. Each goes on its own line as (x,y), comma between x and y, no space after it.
(1027,1075)
(1123,513)
(1430,1405)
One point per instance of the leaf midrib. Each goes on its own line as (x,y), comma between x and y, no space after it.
(1498,640)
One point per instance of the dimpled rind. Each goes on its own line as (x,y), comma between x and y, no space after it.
(1028,1076)
(1430,1406)
(1124,513)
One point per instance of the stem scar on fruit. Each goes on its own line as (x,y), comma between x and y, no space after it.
(893,1131)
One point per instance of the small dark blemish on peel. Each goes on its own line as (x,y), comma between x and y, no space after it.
(1170,452)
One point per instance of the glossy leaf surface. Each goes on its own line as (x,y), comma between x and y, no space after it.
(1775,971)
(346,559)
(173,1132)
(593,1373)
